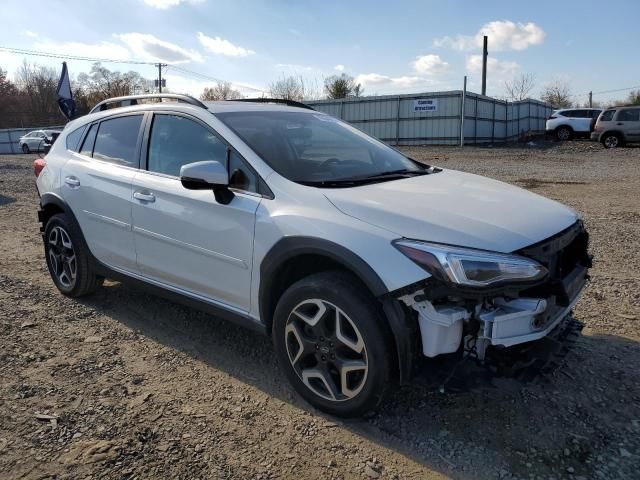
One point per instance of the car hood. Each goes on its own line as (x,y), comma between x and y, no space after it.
(456,208)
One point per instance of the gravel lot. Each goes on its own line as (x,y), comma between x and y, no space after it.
(125,385)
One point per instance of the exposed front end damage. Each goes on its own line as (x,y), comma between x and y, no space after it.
(453,319)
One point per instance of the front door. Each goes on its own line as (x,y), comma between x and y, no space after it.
(185,238)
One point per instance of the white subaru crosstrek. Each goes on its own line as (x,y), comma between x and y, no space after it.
(354,258)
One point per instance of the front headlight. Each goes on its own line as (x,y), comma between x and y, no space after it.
(469,267)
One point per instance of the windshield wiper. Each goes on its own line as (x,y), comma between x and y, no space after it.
(364,179)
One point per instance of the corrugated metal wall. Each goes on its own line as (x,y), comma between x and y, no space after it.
(398,120)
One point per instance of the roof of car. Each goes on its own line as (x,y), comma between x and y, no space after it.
(224,106)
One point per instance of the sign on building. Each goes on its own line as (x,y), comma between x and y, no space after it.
(425,105)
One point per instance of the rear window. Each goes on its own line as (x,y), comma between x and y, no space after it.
(73,139)
(629,115)
(607,116)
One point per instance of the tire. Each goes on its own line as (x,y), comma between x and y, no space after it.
(611,140)
(332,342)
(25,148)
(68,258)
(564,133)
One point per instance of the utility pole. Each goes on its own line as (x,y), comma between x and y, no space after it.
(160,65)
(590,99)
(485,53)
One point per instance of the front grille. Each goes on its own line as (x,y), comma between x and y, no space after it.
(561,254)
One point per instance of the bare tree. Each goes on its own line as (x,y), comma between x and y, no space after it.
(558,94)
(101,83)
(221,91)
(290,88)
(520,86)
(342,86)
(38,87)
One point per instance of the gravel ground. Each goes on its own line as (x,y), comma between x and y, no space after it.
(125,385)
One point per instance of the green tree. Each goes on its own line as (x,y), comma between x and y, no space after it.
(342,86)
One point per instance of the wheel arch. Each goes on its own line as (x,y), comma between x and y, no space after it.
(293,258)
(564,125)
(51,204)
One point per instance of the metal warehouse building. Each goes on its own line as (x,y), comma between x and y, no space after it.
(435,118)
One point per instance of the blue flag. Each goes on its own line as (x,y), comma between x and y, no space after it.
(65,99)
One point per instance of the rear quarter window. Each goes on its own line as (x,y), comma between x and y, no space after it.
(73,139)
(607,116)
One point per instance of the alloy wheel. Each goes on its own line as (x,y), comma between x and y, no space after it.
(611,141)
(326,350)
(564,134)
(62,256)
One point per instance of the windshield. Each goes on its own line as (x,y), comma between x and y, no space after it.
(316,149)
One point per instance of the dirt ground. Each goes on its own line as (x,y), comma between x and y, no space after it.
(125,385)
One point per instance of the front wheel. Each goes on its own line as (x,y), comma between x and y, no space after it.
(332,342)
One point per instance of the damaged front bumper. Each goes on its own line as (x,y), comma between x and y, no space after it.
(450,320)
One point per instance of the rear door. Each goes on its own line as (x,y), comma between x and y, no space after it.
(97,187)
(628,122)
(185,238)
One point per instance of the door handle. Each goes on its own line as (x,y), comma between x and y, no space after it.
(144,197)
(619,123)
(72,181)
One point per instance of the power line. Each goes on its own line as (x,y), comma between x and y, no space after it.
(22,51)
(210,78)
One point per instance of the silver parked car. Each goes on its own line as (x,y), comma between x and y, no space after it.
(617,126)
(35,141)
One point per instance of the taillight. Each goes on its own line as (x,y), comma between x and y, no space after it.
(552,117)
(38,165)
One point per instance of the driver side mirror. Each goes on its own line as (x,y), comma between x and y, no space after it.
(208,175)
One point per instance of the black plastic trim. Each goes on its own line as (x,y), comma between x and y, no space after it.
(217,311)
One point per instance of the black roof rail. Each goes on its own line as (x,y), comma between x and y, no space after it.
(290,103)
(133,100)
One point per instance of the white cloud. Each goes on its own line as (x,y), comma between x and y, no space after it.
(148,47)
(503,35)
(294,67)
(339,68)
(164,4)
(30,34)
(100,50)
(494,66)
(430,65)
(376,79)
(221,46)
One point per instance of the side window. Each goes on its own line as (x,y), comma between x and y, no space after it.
(607,116)
(117,140)
(87,145)
(240,175)
(595,114)
(629,115)
(568,113)
(73,139)
(176,141)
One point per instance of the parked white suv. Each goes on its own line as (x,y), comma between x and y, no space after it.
(354,258)
(572,122)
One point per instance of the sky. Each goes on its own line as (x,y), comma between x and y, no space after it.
(390,47)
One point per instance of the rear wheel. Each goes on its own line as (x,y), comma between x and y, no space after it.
(611,140)
(331,341)
(68,258)
(25,148)
(563,133)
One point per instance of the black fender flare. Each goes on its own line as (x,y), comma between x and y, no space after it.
(293,246)
(54,199)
